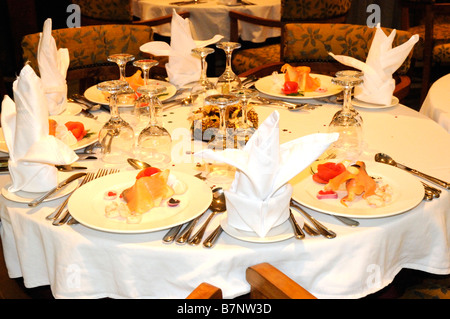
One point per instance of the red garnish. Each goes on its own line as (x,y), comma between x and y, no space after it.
(77,129)
(327,171)
(326,194)
(173,202)
(149,171)
(290,87)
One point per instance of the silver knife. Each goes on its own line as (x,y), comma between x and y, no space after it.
(39,200)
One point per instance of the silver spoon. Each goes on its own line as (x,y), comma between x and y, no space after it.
(211,239)
(217,206)
(137,164)
(386,159)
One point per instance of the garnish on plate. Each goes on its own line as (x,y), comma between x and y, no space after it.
(353,179)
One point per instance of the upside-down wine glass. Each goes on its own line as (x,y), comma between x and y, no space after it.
(116,136)
(347,122)
(203,86)
(121,59)
(228,81)
(244,127)
(353,74)
(154,143)
(140,112)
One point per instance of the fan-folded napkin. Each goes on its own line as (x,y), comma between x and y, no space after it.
(381,63)
(32,151)
(258,199)
(53,65)
(183,67)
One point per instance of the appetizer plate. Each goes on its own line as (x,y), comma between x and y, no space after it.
(367,105)
(26,197)
(96,96)
(87,204)
(271,85)
(279,233)
(92,126)
(407,193)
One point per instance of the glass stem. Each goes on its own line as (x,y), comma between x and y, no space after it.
(152,111)
(228,61)
(244,113)
(223,124)
(203,77)
(347,105)
(114,110)
(145,72)
(122,71)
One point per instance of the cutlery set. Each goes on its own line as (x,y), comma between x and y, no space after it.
(59,218)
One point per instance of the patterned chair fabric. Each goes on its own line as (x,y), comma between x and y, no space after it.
(91,45)
(294,10)
(312,42)
(320,11)
(114,10)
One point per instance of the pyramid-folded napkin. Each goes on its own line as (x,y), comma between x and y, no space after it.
(53,65)
(258,199)
(382,61)
(32,151)
(183,67)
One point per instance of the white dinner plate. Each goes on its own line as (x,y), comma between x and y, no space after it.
(26,197)
(87,204)
(367,105)
(95,95)
(72,109)
(268,86)
(281,232)
(92,126)
(407,191)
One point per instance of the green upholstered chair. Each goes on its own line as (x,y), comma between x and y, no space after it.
(309,43)
(433,27)
(308,11)
(89,47)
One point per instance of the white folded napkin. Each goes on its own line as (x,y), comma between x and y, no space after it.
(32,150)
(259,196)
(53,65)
(381,63)
(183,67)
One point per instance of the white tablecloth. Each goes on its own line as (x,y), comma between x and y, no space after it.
(437,103)
(79,262)
(211,17)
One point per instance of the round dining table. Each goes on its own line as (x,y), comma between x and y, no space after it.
(210,17)
(436,104)
(80,261)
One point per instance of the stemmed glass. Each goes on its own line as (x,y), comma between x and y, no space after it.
(141,110)
(203,85)
(228,81)
(145,65)
(222,102)
(116,136)
(154,142)
(353,74)
(244,128)
(121,59)
(347,121)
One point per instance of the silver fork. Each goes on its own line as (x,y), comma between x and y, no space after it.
(57,212)
(66,215)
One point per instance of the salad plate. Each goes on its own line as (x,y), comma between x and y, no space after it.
(91,126)
(96,96)
(271,85)
(87,204)
(407,193)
